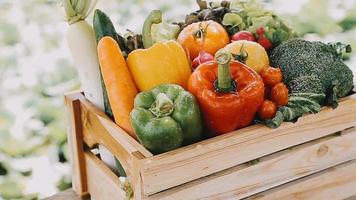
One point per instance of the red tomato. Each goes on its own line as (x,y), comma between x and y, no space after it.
(243,35)
(280,94)
(260,31)
(263,41)
(267,110)
(208,36)
(271,76)
(203,57)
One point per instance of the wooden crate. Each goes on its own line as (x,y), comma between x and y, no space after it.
(314,157)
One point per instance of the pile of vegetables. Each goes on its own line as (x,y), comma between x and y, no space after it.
(229,65)
(244,20)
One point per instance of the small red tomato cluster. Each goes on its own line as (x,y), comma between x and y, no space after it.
(276,93)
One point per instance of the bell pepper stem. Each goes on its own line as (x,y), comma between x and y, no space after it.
(162,106)
(155,17)
(224,83)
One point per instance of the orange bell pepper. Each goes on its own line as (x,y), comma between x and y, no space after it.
(229,93)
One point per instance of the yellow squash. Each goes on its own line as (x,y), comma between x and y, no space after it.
(163,62)
(250,53)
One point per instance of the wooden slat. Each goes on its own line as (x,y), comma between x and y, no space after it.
(271,171)
(102,182)
(337,183)
(97,128)
(65,195)
(213,155)
(97,120)
(75,141)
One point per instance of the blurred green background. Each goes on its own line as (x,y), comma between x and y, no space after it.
(36,69)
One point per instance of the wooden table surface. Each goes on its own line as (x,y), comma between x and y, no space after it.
(66,195)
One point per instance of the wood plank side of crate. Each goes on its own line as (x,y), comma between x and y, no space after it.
(271,171)
(96,128)
(226,151)
(337,183)
(104,129)
(99,129)
(102,182)
(75,141)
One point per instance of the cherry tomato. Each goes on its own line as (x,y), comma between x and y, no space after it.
(279,94)
(203,57)
(260,31)
(267,110)
(243,35)
(263,41)
(271,76)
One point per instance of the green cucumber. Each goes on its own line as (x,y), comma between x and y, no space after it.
(103,26)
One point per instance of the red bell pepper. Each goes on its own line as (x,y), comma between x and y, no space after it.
(229,93)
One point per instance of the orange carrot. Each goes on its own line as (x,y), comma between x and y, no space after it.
(119,84)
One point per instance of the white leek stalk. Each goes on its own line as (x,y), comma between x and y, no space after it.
(82,44)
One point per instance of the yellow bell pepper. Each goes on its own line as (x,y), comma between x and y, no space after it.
(160,62)
(164,62)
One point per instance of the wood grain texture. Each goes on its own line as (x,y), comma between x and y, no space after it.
(215,168)
(243,181)
(99,129)
(65,195)
(102,182)
(94,118)
(226,151)
(75,141)
(336,183)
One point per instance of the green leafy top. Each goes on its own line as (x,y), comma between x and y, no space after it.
(77,10)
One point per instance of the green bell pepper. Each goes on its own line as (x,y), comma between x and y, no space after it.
(166,118)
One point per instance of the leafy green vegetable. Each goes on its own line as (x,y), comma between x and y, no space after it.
(298,104)
(164,31)
(250,16)
(232,19)
(315,16)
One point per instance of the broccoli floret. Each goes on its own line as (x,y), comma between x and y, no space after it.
(306,84)
(312,67)
(343,74)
